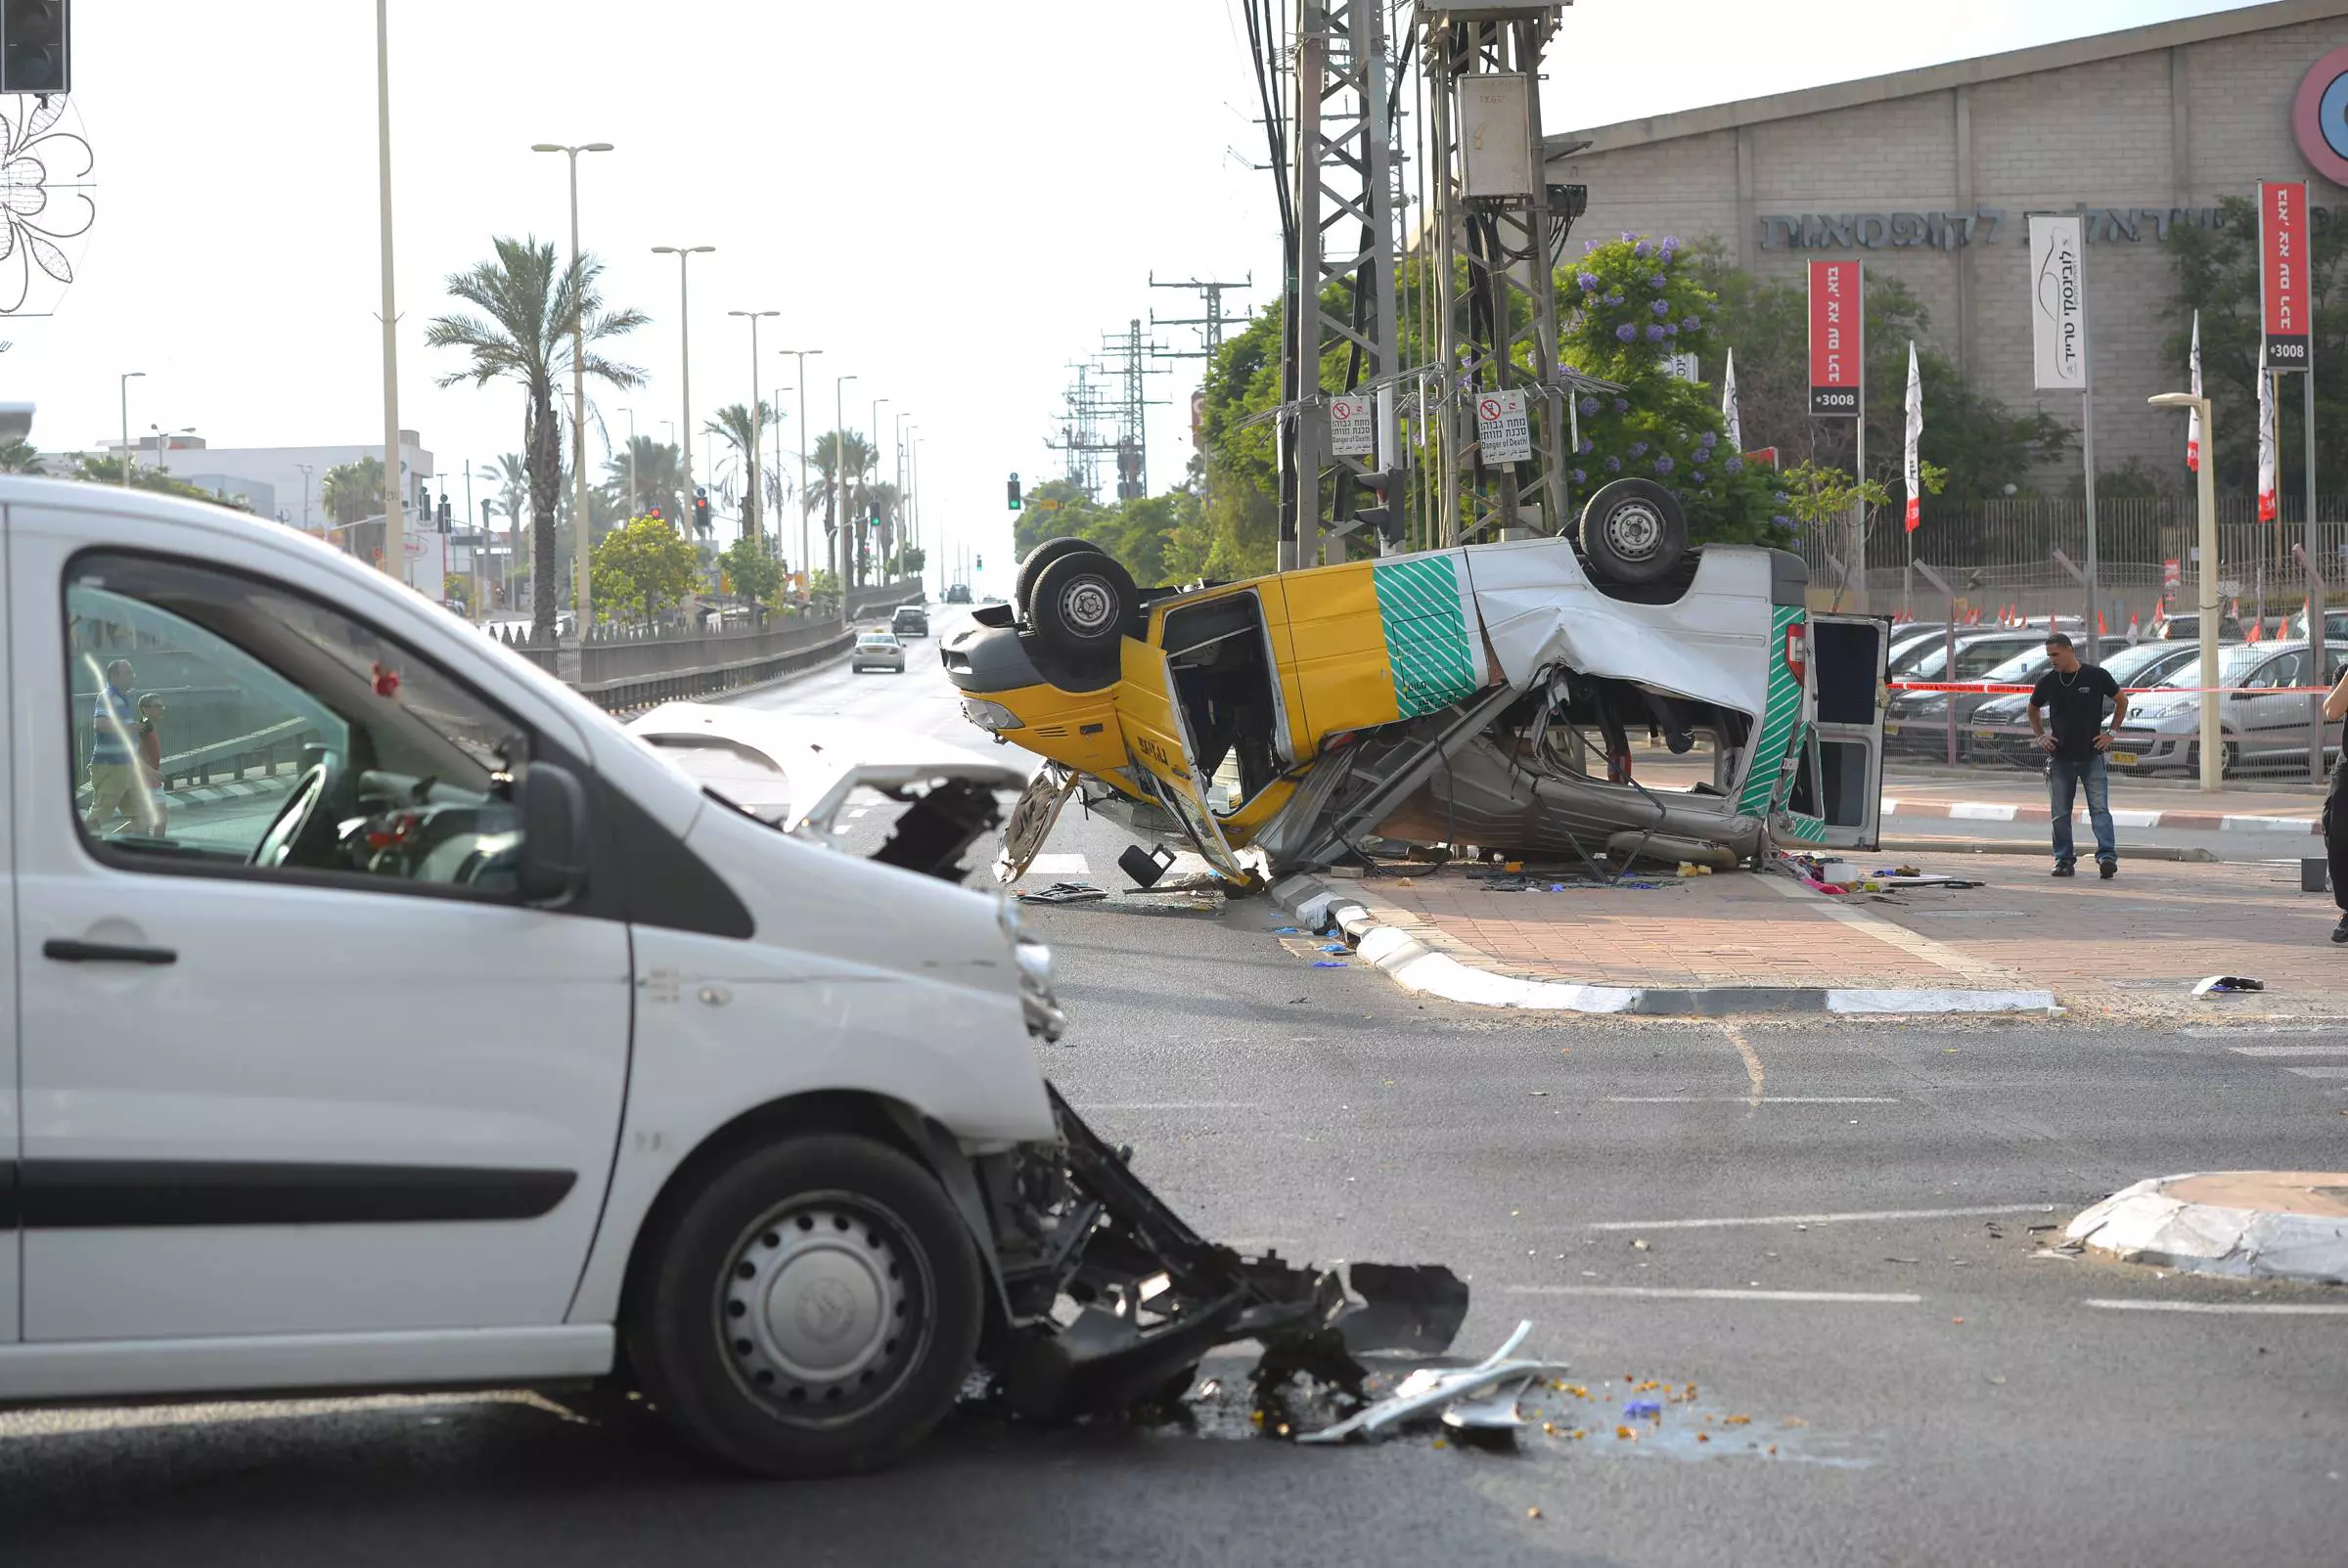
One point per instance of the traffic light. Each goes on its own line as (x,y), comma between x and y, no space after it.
(32,47)
(1014,492)
(1382,514)
(981,564)
(700,510)
(444,529)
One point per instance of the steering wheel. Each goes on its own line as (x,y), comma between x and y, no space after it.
(303,827)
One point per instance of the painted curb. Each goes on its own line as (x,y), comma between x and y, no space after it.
(2199,822)
(2143,1224)
(1419,968)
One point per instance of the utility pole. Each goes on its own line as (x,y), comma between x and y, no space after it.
(807,543)
(306,471)
(480,540)
(1496,215)
(395,538)
(685,254)
(632,501)
(1210,343)
(1133,436)
(1340,158)
(749,499)
(582,533)
(837,504)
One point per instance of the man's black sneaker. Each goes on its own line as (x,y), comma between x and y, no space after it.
(2339,933)
(2108,868)
(2063,867)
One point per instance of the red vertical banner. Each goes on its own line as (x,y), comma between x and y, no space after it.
(2283,294)
(1837,338)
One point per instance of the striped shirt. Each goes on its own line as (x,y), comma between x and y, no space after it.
(110,722)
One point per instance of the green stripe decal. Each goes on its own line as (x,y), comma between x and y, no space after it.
(1427,632)
(1772,757)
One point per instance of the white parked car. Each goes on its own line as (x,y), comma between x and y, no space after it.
(495,1050)
(876,650)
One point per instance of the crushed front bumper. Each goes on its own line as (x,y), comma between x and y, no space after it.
(1111,1299)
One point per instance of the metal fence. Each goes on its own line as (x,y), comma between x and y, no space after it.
(2007,558)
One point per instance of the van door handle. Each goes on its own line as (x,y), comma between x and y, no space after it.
(67,951)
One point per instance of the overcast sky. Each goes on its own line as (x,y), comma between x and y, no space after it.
(953,200)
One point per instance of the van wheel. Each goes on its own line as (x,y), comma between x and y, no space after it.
(1022,589)
(1083,604)
(1633,531)
(814,1310)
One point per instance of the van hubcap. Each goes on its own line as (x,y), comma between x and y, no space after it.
(1633,530)
(823,1309)
(1087,606)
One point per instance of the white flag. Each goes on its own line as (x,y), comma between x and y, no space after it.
(2266,441)
(1728,403)
(2192,419)
(1916,434)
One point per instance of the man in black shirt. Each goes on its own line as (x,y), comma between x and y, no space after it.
(2073,695)
(2335,809)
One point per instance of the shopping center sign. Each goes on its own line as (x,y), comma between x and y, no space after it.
(2320,116)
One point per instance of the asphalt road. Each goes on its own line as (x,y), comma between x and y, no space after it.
(1826,1229)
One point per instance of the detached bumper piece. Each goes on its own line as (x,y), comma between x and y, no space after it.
(1114,1299)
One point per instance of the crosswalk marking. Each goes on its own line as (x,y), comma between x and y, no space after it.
(2317,1072)
(1059,865)
(2289,1050)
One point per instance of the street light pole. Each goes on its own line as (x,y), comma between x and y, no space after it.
(2212,746)
(749,497)
(306,471)
(875,453)
(582,533)
(123,386)
(395,533)
(684,254)
(806,555)
(840,486)
(632,503)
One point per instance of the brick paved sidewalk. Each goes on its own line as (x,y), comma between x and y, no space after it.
(2128,946)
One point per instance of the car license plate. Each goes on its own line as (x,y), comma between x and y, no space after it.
(1985,735)
(2126,759)
(1891,729)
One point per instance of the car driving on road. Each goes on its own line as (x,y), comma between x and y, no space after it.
(876,650)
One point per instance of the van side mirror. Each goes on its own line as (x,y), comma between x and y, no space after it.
(553,835)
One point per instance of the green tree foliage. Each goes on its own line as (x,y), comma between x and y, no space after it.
(841,460)
(745,434)
(20,457)
(145,476)
(1982,445)
(642,568)
(750,570)
(2217,274)
(1630,304)
(660,479)
(528,311)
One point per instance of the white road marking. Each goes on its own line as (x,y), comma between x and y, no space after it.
(1841,1218)
(1664,1293)
(858,812)
(1742,1100)
(2276,1309)
(2317,1072)
(2238,1031)
(1899,936)
(2289,1050)
(1059,865)
(1172,1105)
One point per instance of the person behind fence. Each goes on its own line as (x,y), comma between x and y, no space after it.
(2073,693)
(114,773)
(2335,827)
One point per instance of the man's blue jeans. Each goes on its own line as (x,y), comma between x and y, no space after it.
(2064,780)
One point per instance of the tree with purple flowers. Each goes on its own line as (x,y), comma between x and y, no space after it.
(1628,306)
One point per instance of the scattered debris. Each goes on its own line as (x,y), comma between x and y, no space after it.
(1063,893)
(2225,985)
(1480,1397)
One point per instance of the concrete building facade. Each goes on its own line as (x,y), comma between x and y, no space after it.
(1929,175)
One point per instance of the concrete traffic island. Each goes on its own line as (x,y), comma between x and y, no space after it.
(2250,1225)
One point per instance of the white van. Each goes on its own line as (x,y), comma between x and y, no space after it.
(393,1018)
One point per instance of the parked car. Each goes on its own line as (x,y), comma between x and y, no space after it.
(1977,652)
(2186,625)
(910,621)
(2336,627)
(1999,730)
(1916,723)
(502,1051)
(876,650)
(2263,719)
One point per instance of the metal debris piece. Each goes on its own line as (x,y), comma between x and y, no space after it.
(1482,1396)
(1063,893)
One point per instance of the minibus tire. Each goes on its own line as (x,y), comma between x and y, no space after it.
(1085,605)
(1633,531)
(1042,556)
(814,1308)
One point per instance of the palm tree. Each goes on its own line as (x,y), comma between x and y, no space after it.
(836,491)
(733,424)
(20,457)
(660,479)
(529,305)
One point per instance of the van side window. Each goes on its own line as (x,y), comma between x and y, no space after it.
(223,722)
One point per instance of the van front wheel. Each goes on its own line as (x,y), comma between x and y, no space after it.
(813,1310)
